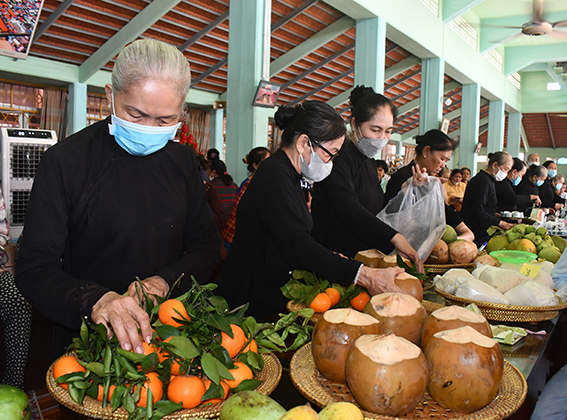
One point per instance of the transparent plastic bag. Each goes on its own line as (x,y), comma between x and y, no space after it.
(418,213)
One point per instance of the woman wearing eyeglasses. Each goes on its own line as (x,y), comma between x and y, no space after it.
(273,223)
(345,204)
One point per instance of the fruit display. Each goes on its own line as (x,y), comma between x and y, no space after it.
(200,353)
(451,250)
(528,238)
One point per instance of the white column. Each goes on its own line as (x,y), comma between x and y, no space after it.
(431,106)
(470,114)
(495,141)
(370,50)
(77,107)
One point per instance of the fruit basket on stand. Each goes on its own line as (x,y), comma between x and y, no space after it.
(270,376)
(507,313)
(322,392)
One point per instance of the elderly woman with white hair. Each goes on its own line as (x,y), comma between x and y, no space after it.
(116,201)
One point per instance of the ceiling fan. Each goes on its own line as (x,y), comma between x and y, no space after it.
(538,26)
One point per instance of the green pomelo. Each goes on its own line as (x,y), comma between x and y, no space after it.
(251,405)
(550,254)
(13,404)
(559,242)
(450,235)
(523,245)
(496,243)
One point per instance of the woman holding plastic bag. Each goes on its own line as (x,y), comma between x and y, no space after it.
(345,204)
(433,151)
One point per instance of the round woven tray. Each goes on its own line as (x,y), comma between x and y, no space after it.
(506,313)
(293,307)
(270,376)
(322,392)
(443,268)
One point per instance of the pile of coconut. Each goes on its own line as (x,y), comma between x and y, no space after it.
(504,285)
(391,353)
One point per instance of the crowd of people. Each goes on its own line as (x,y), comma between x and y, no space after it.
(119,200)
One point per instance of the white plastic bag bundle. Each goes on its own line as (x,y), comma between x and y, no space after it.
(418,213)
(502,279)
(449,281)
(478,290)
(532,293)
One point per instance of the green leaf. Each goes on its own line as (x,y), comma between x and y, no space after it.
(163,408)
(76,394)
(166,331)
(311,293)
(92,391)
(220,323)
(130,355)
(150,362)
(128,402)
(214,391)
(84,332)
(100,329)
(117,395)
(298,274)
(276,339)
(222,355)
(220,304)
(107,360)
(247,385)
(253,360)
(210,367)
(71,377)
(183,347)
(95,367)
(82,384)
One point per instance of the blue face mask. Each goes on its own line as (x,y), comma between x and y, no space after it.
(551,173)
(516,182)
(539,183)
(138,139)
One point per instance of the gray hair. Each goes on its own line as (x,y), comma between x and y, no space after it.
(151,59)
(557,178)
(499,157)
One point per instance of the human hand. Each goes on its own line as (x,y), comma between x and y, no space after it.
(123,316)
(419,175)
(380,280)
(505,225)
(404,248)
(536,200)
(153,285)
(558,206)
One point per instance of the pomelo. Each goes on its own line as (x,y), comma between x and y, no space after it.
(522,245)
(13,404)
(496,243)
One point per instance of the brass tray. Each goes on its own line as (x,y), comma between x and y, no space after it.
(322,392)
(270,376)
(506,313)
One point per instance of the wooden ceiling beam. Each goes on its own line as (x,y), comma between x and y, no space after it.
(322,86)
(40,30)
(203,31)
(550,130)
(294,13)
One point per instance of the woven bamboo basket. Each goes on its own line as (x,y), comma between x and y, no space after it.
(322,392)
(270,376)
(506,313)
(443,268)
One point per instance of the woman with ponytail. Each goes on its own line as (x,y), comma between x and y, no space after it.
(273,223)
(345,204)
(226,188)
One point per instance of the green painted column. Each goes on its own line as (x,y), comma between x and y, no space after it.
(217,136)
(246,126)
(370,50)
(77,107)
(514,133)
(431,106)
(495,141)
(470,114)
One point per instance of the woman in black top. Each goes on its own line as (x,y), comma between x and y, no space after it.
(346,203)
(531,183)
(433,151)
(508,199)
(547,191)
(273,222)
(479,203)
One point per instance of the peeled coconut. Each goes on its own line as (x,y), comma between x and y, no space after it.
(334,335)
(450,317)
(439,254)
(370,257)
(463,252)
(465,369)
(410,284)
(392,261)
(399,314)
(386,374)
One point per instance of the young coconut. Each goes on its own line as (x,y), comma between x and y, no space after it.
(399,314)
(370,257)
(410,284)
(462,252)
(334,335)
(392,261)
(386,374)
(465,369)
(451,317)
(439,254)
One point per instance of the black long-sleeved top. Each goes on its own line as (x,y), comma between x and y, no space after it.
(548,196)
(508,199)
(272,238)
(345,205)
(479,206)
(98,217)
(395,183)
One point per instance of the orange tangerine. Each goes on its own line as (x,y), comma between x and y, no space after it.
(252,346)
(225,388)
(154,383)
(334,294)
(66,365)
(240,373)
(359,302)
(187,390)
(235,343)
(172,308)
(321,303)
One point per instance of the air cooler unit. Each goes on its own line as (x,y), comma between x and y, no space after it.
(22,149)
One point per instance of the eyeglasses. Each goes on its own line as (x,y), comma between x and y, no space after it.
(332,155)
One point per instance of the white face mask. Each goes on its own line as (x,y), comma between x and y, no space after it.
(370,147)
(317,170)
(533,163)
(500,175)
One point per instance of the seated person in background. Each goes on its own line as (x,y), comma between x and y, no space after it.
(531,181)
(443,176)
(253,160)
(466,174)
(116,201)
(455,189)
(479,203)
(508,198)
(532,160)
(382,169)
(547,191)
(433,151)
